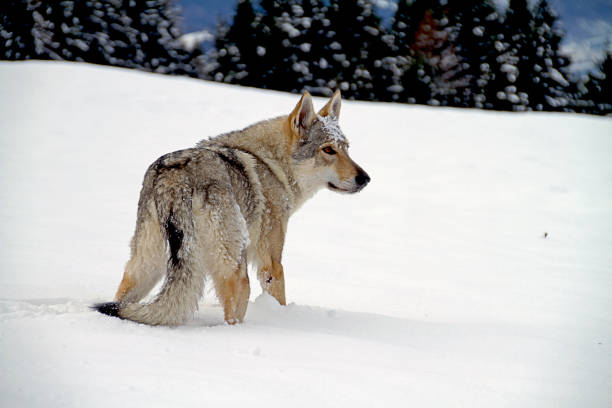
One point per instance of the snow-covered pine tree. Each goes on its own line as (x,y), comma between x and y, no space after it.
(552,89)
(401,36)
(150,29)
(127,33)
(268,46)
(296,22)
(86,29)
(435,41)
(405,23)
(24,32)
(238,55)
(415,82)
(435,55)
(530,73)
(598,88)
(430,41)
(473,28)
(312,48)
(512,81)
(278,37)
(16,25)
(357,50)
(432,70)
(380,62)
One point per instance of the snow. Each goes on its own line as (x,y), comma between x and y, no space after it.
(474,270)
(289,29)
(301,67)
(509,68)
(371,30)
(305,47)
(395,88)
(514,98)
(558,77)
(335,46)
(478,31)
(191,41)
(332,128)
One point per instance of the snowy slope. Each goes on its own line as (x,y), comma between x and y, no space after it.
(434,287)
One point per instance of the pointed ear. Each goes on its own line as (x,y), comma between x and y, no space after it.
(333,106)
(303,114)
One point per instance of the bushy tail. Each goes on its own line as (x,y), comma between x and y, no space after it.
(184,284)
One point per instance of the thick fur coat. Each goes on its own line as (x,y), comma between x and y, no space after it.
(213,209)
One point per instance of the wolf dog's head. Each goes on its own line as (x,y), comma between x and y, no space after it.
(320,153)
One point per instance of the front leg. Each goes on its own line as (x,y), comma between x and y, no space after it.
(272,280)
(270,249)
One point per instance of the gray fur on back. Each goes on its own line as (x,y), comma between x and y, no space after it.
(217,176)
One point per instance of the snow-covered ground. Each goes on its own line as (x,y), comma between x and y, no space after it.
(434,287)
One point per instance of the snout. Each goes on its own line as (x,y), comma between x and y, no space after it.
(347,176)
(362,179)
(352,185)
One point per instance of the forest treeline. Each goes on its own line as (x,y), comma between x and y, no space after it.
(435,52)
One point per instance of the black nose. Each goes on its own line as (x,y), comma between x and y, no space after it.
(362,178)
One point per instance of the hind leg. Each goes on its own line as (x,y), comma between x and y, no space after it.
(233,292)
(222,242)
(148,262)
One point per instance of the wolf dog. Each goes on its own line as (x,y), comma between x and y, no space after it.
(209,211)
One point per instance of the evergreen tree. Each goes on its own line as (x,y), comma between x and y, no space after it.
(531,74)
(551,89)
(598,88)
(311,45)
(131,34)
(16,24)
(321,49)
(423,41)
(278,37)
(271,48)
(150,38)
(415,83)
(357,50)
(314,25)
(474,28)
(405,24)
(238,54)
(441,52)
(433,44)
(22,30)
(512,83)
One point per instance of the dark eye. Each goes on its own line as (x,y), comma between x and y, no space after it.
(328,150)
